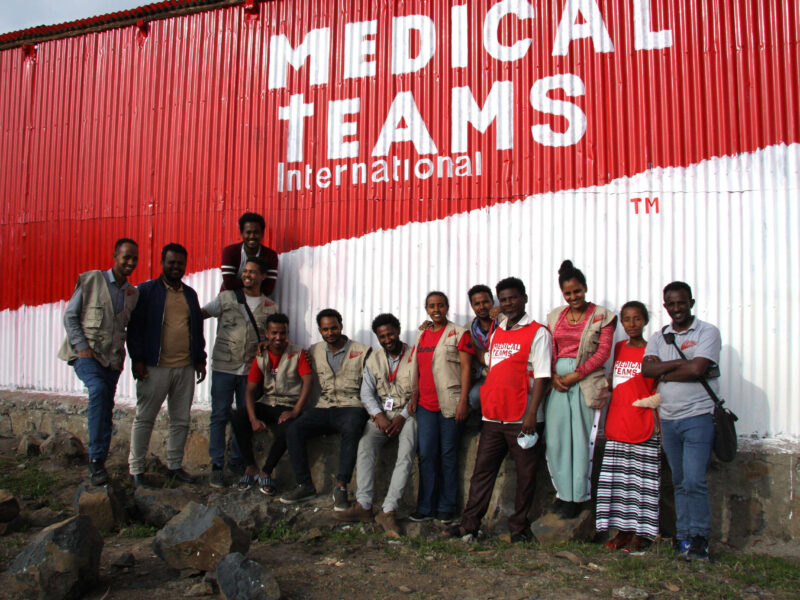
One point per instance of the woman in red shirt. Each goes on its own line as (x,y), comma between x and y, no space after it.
(583,333)
(444,359)
(628,489)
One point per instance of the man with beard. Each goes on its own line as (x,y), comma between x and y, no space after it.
(252,227)
(96,319)
(278,386)
(167,347)
(338,364)
(385,392)
(482,302)
(241,317)
(519,363)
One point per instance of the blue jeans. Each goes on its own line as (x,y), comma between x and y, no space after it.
(102,385)
(438,462)
(474,397)
(688,444)
(224,387)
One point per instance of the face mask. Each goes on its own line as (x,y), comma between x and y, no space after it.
(527,440)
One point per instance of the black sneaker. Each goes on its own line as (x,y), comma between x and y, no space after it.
(698,550)
(526,535)
(97,472)
(570,510)
(418,517)
(217,477)
(138,481)
(340,501)
(458,531)
(301,492)
(181,475)
(445,517)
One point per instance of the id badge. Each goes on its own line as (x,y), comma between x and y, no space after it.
(388,403)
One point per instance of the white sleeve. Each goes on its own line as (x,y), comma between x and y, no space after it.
(539,360)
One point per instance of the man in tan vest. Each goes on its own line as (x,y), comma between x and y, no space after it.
(338,364)
(241,318)
(96,319)
(278,385)
(389,382)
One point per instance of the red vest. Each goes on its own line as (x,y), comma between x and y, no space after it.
(504,395)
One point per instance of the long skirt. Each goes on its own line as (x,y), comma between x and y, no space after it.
(628,488)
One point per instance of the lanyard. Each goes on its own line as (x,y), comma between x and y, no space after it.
(399,360)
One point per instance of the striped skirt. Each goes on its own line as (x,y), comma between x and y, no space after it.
(628,488)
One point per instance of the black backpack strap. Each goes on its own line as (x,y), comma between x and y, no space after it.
(241,300)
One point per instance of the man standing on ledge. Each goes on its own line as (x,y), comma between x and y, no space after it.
(96,318)
(252,227)
(338,364)
(241,318)
(519,361)
(482,302)
(167,347)
(687,423)
(389,382)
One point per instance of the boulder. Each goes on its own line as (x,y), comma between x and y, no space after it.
(199,537)
(157,506)
(9,507)
(45,516)
(240,578)
(17,524)
(551,528)
(63,444)
(104,505)
(249,511)
(62,562)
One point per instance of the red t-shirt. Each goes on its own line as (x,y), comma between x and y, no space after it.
(427,344)
(625,422)
(256,376)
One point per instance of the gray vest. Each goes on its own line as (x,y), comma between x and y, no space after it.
(283,389)
(103,330)
(344,387)
(447,368)
(236,343)
(404,382)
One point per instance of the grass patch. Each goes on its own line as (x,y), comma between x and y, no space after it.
(30,482)
(138,530)
(769,572)
(277,532)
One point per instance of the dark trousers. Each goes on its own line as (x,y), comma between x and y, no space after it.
(102,385)
(496,441)
(438,462)
(348,422)
(244,434)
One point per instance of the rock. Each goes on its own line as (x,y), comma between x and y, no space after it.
(12,526)
(157,506)
(627,592)
(29,445)
(102,504)
(239,578)
(550,528)
(126,560)
(61,562)
(44,517)
(204,588)
(249,511)
(312,534)
(9,507)
(422,529)
(63,444)
(198,537)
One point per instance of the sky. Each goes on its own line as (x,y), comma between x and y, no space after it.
(21,14)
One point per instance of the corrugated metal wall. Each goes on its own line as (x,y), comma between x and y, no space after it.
(169,136)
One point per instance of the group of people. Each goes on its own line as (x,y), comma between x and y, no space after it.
(540,388)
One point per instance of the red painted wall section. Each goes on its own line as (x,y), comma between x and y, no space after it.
(170,136)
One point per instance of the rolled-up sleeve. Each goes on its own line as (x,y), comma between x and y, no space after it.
(369,393)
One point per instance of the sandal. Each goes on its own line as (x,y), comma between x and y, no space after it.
(619,541)
(246,482)
(267,486)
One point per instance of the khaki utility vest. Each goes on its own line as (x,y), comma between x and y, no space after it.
(283,389)
(404,382)
(447,368)
(236,343)
(594,386)
(342,389)
(103,330)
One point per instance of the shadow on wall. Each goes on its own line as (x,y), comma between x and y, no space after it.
(744,398)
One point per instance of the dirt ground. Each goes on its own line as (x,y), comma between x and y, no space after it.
(315,557)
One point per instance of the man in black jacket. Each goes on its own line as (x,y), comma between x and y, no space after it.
(167,347)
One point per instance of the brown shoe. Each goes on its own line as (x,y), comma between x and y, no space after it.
(387,521)
(354,514)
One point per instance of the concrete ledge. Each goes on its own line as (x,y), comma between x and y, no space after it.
(755,498)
